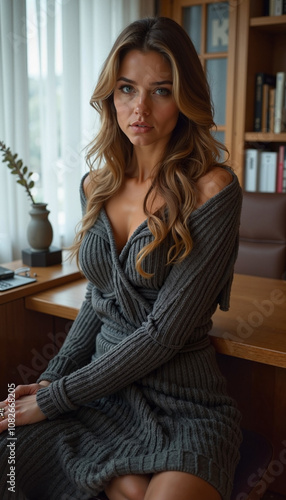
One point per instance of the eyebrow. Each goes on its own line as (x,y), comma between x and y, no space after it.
(162,82)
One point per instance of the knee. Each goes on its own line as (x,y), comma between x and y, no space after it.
(135,492)
(128,487)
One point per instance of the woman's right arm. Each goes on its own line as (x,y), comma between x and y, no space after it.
(75,352)
(80,342)
(79,345)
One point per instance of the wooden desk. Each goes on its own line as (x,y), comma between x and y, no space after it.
(254,328)
(46,277)
(62,301)
(23,333)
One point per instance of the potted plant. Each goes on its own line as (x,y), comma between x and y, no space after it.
(39,231)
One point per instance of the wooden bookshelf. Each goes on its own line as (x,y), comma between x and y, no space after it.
(263,50)
(257,43)
(269,23)
(264,137)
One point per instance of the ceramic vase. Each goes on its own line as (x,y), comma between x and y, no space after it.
(39,231)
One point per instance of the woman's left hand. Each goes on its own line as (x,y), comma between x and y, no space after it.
(22,410)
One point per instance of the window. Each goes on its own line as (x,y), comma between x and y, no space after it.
(208,25)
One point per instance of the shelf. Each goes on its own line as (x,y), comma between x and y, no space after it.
(269,23)
(265,136)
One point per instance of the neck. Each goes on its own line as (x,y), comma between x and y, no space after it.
(143,162)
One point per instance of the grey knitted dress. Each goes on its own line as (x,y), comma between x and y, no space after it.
(135,387)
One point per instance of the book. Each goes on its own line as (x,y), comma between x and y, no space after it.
(265,103)
(265,118)
(261,79)
(278,7)
(275,7)
(284,174)
(252,158)
(267,172)
(280,104)
(271,7)
(280,169)
(271,110)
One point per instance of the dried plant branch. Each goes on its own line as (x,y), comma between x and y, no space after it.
(17,168)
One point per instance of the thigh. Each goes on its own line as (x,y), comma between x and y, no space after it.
(171,485)
(131,487)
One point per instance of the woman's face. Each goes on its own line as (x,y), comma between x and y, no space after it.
(146,110)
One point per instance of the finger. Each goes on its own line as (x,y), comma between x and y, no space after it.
(22,390)
(4,403)
(3,419)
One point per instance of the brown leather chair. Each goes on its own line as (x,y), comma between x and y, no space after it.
(262,242)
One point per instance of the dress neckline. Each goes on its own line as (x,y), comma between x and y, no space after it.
(143,224)
(128,242)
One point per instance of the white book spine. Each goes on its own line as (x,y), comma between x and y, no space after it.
(278,8)
(251,169)
(279,113)
(268,172)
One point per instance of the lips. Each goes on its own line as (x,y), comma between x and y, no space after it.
(141,127)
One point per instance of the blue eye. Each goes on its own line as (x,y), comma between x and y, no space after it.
(163,92)
(126,89)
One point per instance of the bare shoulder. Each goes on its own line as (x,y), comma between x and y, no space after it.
(88,184)
(212,183)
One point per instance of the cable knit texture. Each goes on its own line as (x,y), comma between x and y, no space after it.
(135,387)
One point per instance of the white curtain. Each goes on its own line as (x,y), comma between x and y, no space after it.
(14,122)
(73,38)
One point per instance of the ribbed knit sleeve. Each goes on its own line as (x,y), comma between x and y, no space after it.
(189,292)
(79,345)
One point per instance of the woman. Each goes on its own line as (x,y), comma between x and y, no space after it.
(134,404)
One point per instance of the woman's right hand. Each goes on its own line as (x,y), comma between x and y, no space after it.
(25,390)
(21,407)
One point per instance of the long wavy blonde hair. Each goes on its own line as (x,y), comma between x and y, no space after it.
(190,153)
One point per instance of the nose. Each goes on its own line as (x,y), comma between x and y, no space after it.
(142,106)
